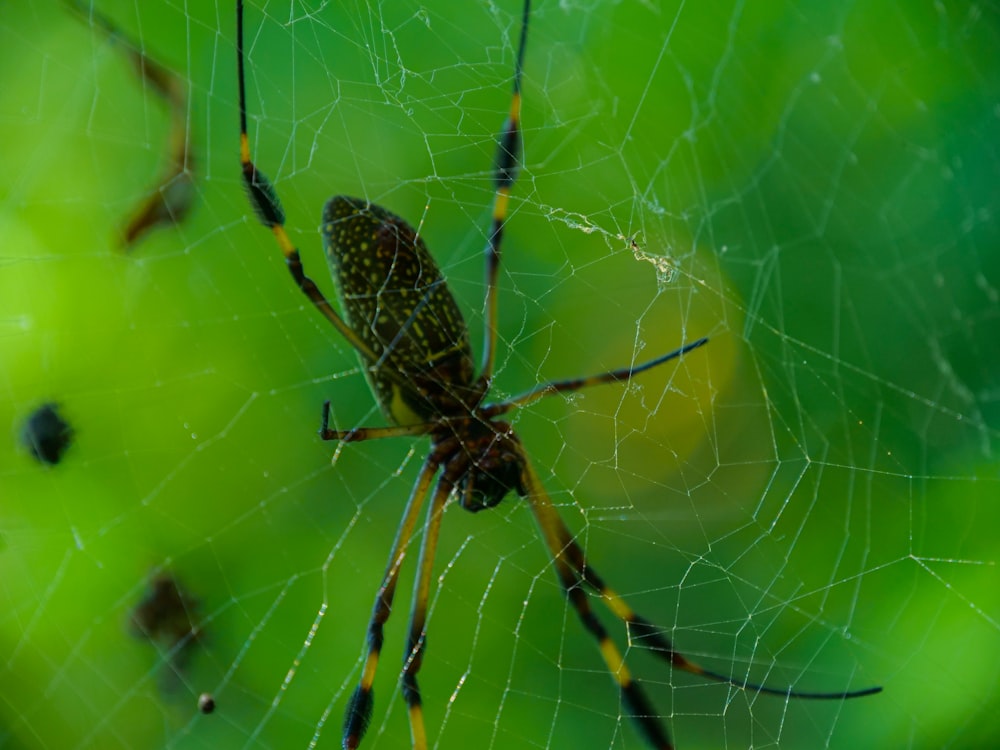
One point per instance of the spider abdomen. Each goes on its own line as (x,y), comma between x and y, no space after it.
(394,297)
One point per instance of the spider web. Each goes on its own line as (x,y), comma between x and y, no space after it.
(810,500)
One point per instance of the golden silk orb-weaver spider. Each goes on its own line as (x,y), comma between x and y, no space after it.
(413,343)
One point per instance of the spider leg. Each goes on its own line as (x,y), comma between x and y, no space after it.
(357,434)
(650,637)
(560,544)
(574,571)
(267,206)
(576,384)
(505,174)
(359,708)
(417,638)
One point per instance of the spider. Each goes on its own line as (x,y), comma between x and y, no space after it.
(413,343)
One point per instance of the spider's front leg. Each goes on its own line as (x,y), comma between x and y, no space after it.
(416,640)
(562,548)
(359,708)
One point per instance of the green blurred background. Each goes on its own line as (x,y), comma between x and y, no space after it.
(811,500)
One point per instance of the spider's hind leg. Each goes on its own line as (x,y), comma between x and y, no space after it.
(508,159)
(266,205)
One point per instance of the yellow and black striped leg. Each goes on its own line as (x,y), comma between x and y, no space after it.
(650,637)
(359,708)
(558,540)
(505,174)
(267,206)
(574,572)
(417,640)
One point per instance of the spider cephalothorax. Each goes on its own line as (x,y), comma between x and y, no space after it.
(488,457)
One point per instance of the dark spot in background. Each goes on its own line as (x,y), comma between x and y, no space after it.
(206,703)
(165,616)
(46,434)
